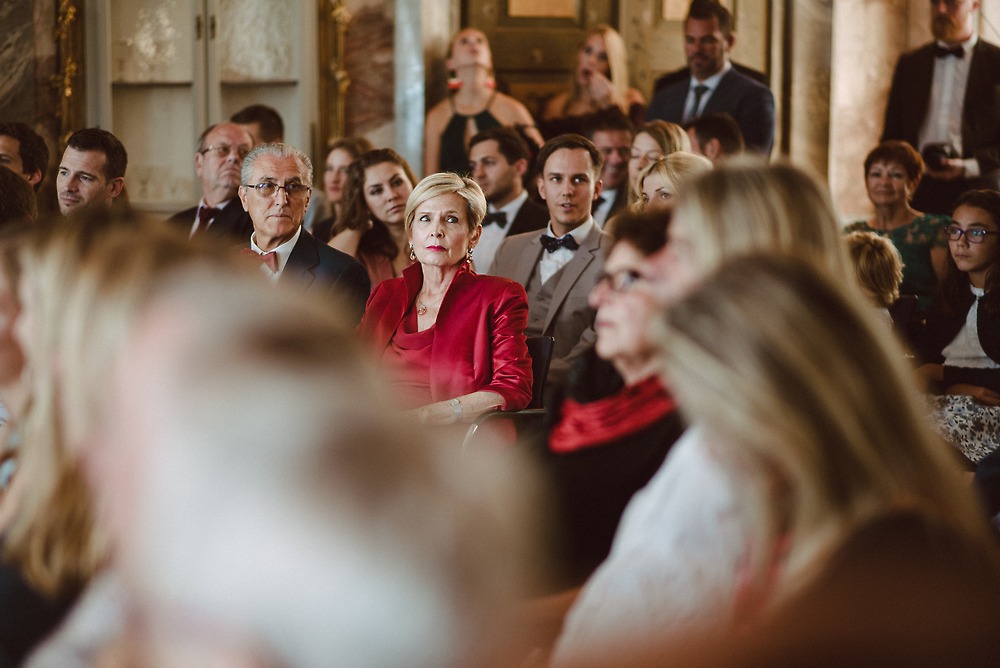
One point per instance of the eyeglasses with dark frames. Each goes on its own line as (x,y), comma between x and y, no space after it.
(620,281)
(223,150)
(267,189)
(975,235)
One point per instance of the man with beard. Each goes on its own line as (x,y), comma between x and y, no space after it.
(611,132)
(714,85)
(945,101)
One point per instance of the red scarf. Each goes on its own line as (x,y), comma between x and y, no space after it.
(626,412)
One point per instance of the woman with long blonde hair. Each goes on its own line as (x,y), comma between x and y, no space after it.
(600,80)
(808,408)
(675,558)
(804,409)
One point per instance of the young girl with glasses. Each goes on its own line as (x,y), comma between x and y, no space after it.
(961,341)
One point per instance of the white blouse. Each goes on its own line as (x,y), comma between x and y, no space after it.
(965,349)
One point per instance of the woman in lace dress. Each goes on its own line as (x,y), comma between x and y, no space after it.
(892,173)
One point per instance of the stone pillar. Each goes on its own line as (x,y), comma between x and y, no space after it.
(808,90)
(867,39)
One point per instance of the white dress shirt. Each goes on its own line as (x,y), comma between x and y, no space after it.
(965,350)
(711,83)
(494,234)
(943,123)
(601,212)
(556,260)
(282,251)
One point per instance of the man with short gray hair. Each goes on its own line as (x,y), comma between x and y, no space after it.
(275,192)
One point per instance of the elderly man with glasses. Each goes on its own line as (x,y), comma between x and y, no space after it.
(221,149)
(275,191)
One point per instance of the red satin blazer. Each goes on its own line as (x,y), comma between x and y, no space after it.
(479,341)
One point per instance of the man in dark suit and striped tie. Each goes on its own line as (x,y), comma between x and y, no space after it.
(713,85)
(217,162)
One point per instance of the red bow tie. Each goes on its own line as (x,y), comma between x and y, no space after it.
(268,259)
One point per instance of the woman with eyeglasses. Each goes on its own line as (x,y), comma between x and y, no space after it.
(892,173)
(673,564)
(961,340)
(861,543)
(616,422)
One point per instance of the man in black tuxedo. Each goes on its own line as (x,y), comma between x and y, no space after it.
(611,132)
(712,84)
(946,95)
(221,149)
(275,192)
(498,160)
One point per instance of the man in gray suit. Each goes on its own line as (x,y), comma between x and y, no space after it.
(560,267)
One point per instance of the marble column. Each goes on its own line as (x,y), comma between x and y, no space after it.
(369,60)
(867,39)
(808,88)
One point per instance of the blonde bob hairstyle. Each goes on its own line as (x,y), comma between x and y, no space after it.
(676,168)
(614,45)
(749,205)
(670,136)
(878,266)
(447,183)
(812,410)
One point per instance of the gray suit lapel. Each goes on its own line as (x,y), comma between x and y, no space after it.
(572,271)
(528,259)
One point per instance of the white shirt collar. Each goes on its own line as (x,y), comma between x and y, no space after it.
(713,80)
(967,45)
(512,207)
(579,233)
(283,252)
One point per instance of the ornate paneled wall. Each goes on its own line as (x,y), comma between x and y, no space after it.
(29,87)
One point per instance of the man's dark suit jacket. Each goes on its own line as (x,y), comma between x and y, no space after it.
(231,222)
(530,217)
(909,100)
(682,74)
(327,272)
(750,103)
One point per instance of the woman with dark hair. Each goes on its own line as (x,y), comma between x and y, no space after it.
(340,154)
(962,334)
(372,227)
(892,173)
(473,105)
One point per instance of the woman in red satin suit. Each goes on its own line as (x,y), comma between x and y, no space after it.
(450,341)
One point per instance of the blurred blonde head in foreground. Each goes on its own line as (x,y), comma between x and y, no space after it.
(268,507)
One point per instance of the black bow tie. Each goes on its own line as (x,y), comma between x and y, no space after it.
(945,51)
(552,244)
(498,217)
